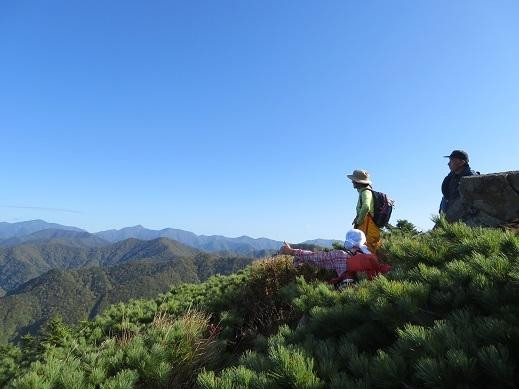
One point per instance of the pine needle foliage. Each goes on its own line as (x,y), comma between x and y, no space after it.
(447,315)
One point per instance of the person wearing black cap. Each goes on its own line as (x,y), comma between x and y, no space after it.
(459,167)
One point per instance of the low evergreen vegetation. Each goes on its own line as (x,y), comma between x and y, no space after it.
(447,315)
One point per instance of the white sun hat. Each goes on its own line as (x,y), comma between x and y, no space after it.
(356,238)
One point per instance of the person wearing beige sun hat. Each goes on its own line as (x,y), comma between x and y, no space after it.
(365,209)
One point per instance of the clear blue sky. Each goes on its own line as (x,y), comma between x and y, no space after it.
(243,117)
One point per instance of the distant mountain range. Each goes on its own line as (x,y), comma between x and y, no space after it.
(243,245)
(12,230)
(51,235)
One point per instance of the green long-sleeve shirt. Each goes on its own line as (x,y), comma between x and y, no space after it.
(365,205)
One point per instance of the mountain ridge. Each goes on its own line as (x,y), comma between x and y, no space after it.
(54,235)
(21,263)
(243,244)
(10,230)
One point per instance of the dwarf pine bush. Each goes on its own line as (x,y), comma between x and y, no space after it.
(10,360)
(168,352)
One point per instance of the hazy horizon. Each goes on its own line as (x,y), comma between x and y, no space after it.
(159,229)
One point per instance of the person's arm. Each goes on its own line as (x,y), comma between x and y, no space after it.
(366,199)
(334,254)
(301,252)
(443,205)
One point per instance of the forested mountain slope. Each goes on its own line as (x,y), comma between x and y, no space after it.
(81,294)
(20,263)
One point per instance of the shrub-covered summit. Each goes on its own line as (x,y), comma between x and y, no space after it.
(446,316)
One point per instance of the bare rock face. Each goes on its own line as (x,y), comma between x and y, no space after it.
(487,200)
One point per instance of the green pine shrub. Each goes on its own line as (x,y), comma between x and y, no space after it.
(10,360)
(169,352)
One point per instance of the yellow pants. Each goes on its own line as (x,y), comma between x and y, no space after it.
(372,233)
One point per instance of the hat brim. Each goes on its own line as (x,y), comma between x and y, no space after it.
(358,181)
(453,156)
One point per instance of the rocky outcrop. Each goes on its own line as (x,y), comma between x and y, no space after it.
(489,200)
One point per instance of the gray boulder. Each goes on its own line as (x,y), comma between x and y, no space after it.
(488,200)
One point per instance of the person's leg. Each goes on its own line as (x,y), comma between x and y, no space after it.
(372,233)
(372,236)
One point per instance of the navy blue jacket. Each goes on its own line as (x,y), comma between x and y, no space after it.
(450,186)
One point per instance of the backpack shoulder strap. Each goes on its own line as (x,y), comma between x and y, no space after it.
(364,189)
